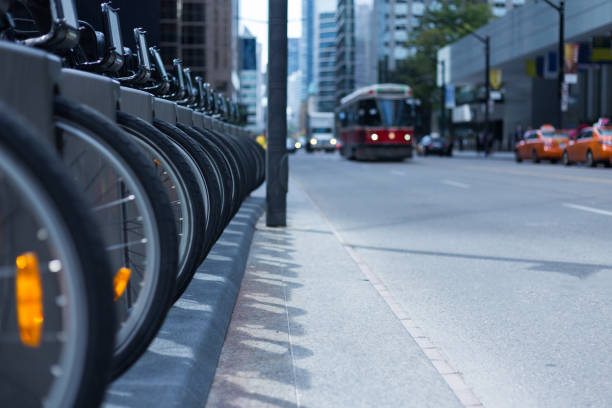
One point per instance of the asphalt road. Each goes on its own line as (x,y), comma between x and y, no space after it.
(506,267)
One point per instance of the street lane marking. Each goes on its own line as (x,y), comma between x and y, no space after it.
(455,184)
(589,209)
(452,377)
(533,174)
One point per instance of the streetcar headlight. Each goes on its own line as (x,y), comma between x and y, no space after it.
(407,138)
(120,281)
(29,299)
(374,136)
(333,141)
(298,145)
(313,141)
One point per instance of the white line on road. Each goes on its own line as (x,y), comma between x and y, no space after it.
(434,354)
(589,209)
(456,184)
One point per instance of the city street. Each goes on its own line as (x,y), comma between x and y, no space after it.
(504,267)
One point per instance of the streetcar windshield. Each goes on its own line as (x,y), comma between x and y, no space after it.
(396,112)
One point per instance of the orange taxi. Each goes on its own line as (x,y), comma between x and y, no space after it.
(592,145)
(545,143)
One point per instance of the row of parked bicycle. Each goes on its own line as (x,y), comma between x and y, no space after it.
(591,145)
(108,208)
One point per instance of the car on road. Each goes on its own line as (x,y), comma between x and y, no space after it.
(593,145)
(291,145)
(545,143)
(434,144)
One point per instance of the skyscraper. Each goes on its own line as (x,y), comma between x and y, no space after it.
(200,33)
(355,60)
(501,7)
(326,61)
(307,47)
(250,79)
(293,55)
(395,20)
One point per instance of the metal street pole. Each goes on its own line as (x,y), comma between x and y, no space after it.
(487,89)
(487,43)
(561,69)
(277,169)
(443,102)
(561,60)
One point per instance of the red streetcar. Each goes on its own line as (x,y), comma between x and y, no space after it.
(377,122)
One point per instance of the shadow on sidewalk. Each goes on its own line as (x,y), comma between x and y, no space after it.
(257,366)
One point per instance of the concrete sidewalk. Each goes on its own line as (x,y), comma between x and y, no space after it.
(309,329)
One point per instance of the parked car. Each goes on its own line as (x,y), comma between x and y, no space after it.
(545,143)
(593,145)
(434,144)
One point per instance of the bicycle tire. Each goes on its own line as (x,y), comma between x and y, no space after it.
(183,181)
(76,230)
(232,164)
(209,172)
(225,174)
(160,288)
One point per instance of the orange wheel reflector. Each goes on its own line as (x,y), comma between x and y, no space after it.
(120,281)
(29,299)
(157,162)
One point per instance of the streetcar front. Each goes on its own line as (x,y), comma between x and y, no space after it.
(378,122)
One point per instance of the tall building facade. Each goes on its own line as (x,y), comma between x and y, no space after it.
(250,79)
(326,61)
(307,46)
(395,20)
(293,55)
(355,60)
(200,32)
(501,7)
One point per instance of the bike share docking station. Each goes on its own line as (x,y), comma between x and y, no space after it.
(30,83)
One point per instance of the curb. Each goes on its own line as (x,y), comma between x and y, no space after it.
(179,367)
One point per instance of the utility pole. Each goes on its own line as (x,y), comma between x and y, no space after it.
(561,69)
(487,43)
(277,168)
(443,101)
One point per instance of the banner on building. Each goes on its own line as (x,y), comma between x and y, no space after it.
(602,49)
(531,69)
(551,69)
(449,96)
(572,51)
(495,79)
(462,114)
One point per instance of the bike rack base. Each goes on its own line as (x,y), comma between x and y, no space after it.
(29,83)
(184,115)
(96,91)
(137,103)
(164,110)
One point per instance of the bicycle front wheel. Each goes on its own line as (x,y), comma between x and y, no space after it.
(56,335)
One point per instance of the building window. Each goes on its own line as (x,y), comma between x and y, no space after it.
(194,12)
(194,57)
(168,54)
(168,9)
(168,33)
(193,35)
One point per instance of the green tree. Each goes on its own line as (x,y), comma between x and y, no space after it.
(439,26)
